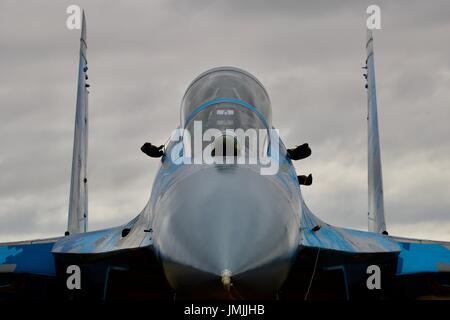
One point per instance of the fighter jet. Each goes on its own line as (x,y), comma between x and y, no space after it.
(223,229)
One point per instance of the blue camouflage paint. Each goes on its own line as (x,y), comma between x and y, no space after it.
(89,242)
(352,241)
(6,252)
(342,239)
(108,240)
(35,258)
(421,258)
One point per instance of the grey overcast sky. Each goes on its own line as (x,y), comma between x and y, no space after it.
(143,54)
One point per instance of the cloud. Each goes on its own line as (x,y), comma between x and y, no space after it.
(142,56)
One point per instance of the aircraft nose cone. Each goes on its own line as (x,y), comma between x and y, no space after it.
(227,220)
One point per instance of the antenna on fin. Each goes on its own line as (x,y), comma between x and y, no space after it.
(376,204)
(78,203)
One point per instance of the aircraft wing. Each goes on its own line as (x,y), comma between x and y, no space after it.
(112,264)
(27,268)
(341,239)
(28,257)
(115,262)
(337,263)
(133,235)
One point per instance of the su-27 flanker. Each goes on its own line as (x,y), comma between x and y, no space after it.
(224,230)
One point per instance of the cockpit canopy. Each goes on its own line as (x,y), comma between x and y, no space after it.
(233,92)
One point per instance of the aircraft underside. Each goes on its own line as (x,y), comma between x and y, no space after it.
(138,275)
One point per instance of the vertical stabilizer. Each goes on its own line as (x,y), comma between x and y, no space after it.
(78,203)
(376,204)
